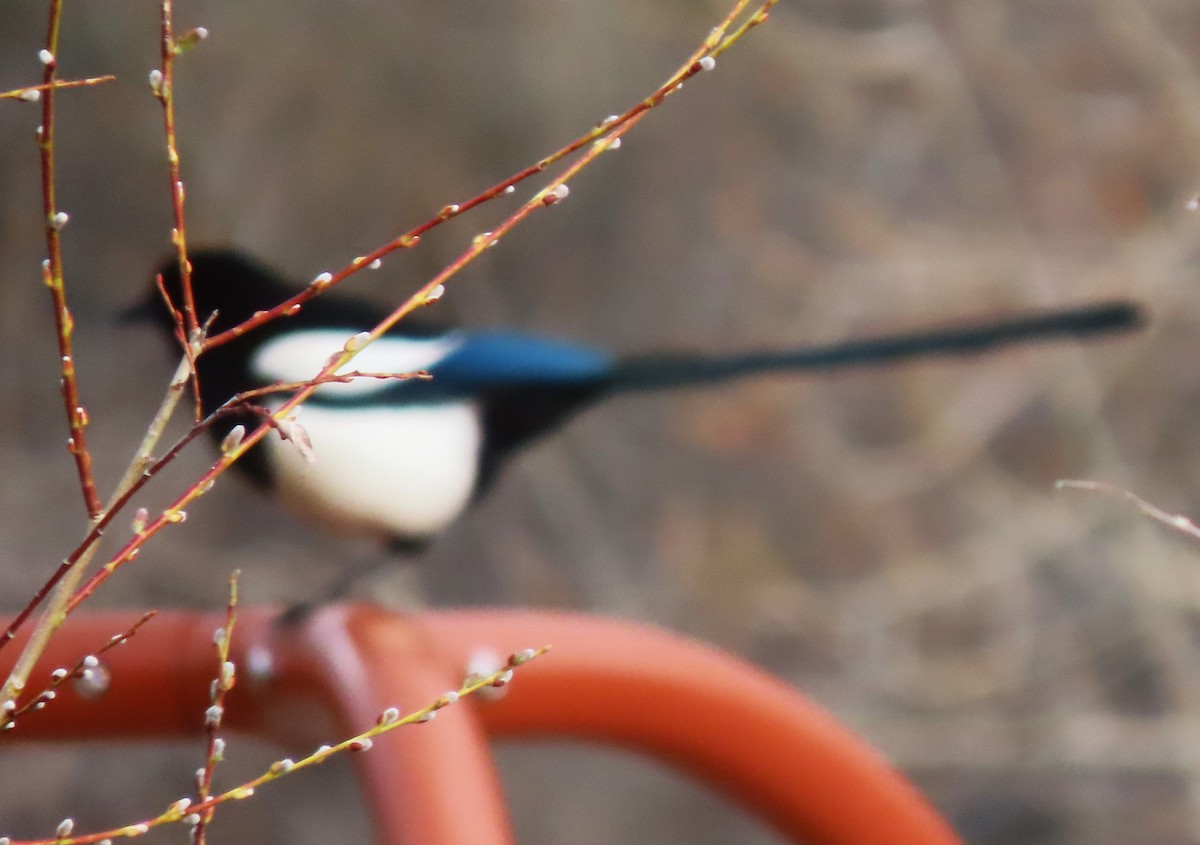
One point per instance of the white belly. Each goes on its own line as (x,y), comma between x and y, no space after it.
(400,472)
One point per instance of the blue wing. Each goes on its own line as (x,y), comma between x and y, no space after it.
(499,359)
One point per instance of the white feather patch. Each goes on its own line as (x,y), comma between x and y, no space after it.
(393,471)
(298,356)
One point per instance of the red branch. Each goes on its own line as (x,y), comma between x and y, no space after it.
(52,275)
(24,93)
(163,86)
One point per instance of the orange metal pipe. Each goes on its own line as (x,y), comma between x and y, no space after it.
(716,719)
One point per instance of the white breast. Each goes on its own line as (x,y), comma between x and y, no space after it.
(399,471)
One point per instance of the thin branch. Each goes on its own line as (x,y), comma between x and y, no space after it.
(1176,522)
(54,220)
(85,668)
(226,677)
(33,93)
(339,378)
(162,83)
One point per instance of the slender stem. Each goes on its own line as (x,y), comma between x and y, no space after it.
(165,92)
(52,273)
(23,93)
(1175,521)
(212,721)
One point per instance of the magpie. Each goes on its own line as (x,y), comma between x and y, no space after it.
(402,459)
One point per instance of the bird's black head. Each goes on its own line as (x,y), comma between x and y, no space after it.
(225,283)
(233,287)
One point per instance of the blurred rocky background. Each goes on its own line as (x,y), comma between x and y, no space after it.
(888,541)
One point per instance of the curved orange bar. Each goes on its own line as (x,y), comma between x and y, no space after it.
(713,717)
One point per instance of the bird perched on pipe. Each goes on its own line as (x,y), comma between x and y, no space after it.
(402,459)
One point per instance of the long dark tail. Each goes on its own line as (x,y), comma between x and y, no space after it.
(656,371)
